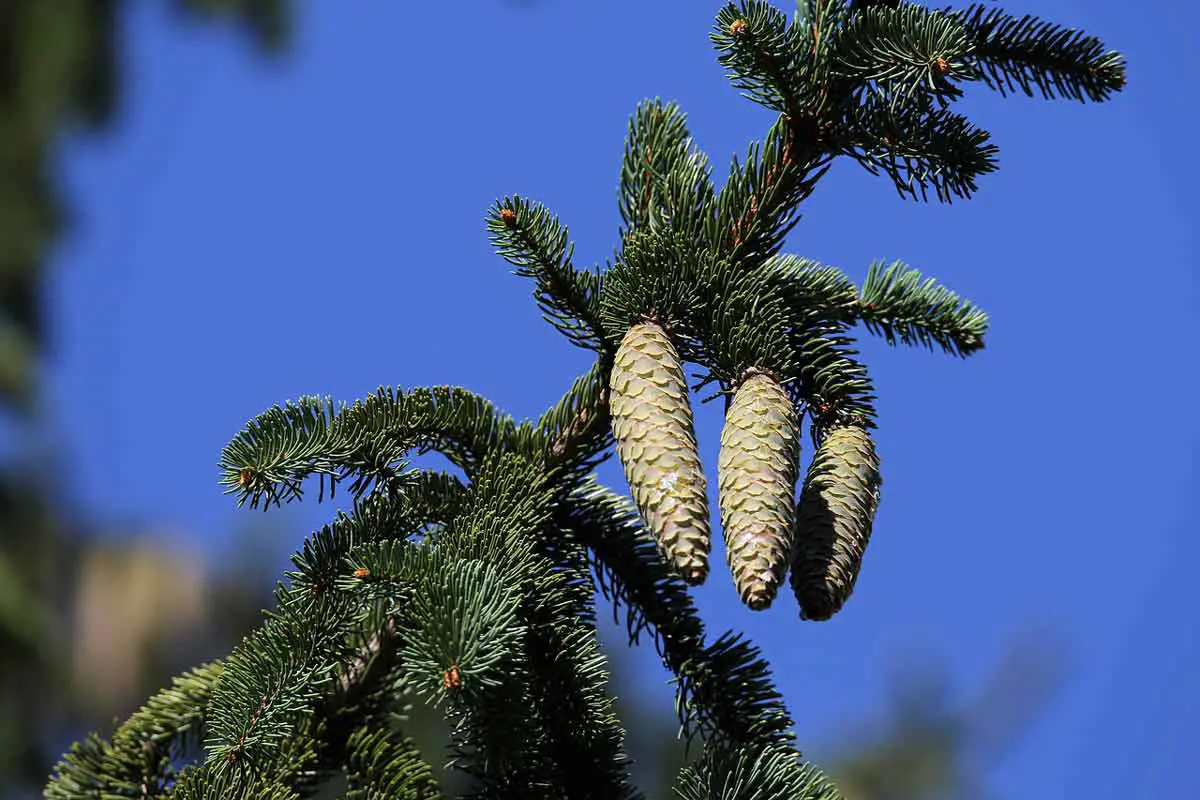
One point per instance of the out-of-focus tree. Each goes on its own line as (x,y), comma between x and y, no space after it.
(84,628)
(933,745)
(60,72)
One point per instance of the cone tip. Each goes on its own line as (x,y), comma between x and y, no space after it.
(758,602)
(693,574)
(759,596)
(818,609)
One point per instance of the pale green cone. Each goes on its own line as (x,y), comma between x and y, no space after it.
(756,481)
(833,521)
(656,442)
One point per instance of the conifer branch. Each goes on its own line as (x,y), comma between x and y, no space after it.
(419,498)
(918,147)
(581,740)
(198,783)
(724,688)
(813,292)
(529,237)
(518,735)
(907,47)
(274,679)
(658,276)
(762,771)
(896,304)
(384,764)
(452,613)
(745,326)
(367,690)
(282,675)
(585,754)
(478,594)
(762,54)
(509,500)
(145,748)
(828,378)
(657,142)
(1028,53)
(576,434)
(784,68)
(286,773)
(427,499)
(569,673)
(858,5)
(758,205)
(459,614)
(366,442)
(140,759)
(370,689)
(685,202)
(832,383)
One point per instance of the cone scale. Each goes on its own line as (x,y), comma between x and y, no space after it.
(833,522)
(656,443)
(756,485)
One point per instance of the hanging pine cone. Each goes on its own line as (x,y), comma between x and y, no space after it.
(656,442)
(756,482)
(833,521)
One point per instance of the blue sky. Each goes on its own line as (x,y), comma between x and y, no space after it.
(251,232)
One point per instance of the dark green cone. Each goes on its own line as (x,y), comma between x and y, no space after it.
(833,521)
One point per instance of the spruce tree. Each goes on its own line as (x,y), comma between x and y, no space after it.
(476,590)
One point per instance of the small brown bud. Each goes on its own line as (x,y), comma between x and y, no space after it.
(244,478)
(508,217)
(941,66)
(451,678)
(737,27)
(362,573)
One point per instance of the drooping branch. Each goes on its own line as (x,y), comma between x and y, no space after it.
(724,687)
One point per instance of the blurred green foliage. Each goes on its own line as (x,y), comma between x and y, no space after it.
(60,74)
(931,743)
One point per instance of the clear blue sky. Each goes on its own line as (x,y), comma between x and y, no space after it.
(254,232)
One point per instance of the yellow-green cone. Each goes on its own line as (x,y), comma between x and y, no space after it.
(756,481)
(656,442)
(833,521)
